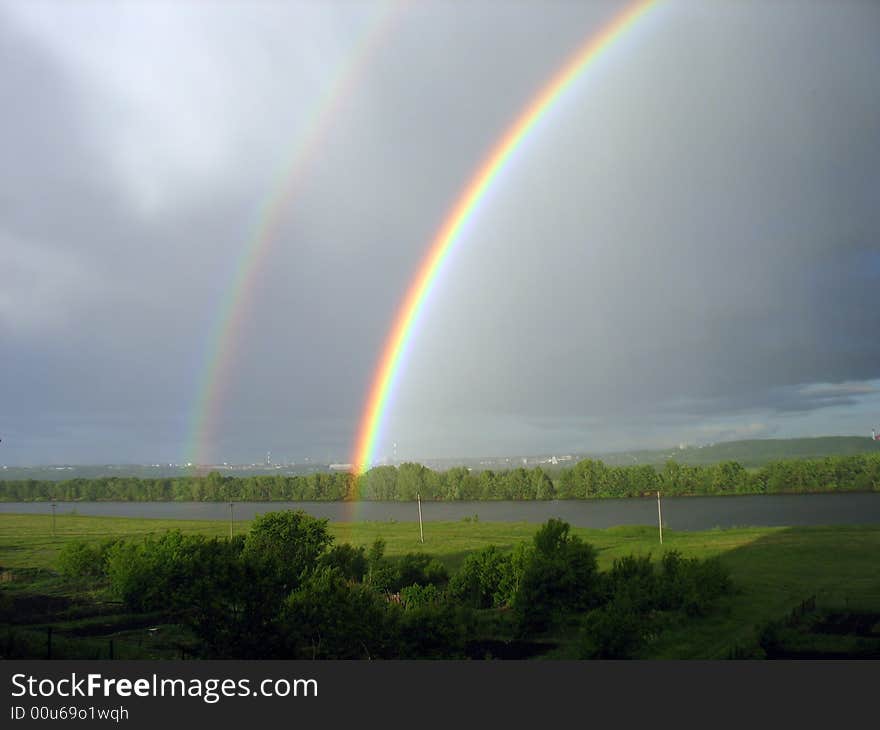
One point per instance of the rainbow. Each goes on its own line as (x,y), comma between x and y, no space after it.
(449,234)
(222,338)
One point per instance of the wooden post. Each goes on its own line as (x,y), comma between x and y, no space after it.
(659,518)
(421,532)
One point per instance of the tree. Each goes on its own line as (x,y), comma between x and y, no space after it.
(285,545)
(420,568)
(412,480)
(559,573)
(480,583)
(328,618)
(542,485)
(350,561)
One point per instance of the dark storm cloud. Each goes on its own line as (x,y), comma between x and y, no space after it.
(687,249)
(691,239)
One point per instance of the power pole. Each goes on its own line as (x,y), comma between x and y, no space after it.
(231,518)
(659,518)
(421,532)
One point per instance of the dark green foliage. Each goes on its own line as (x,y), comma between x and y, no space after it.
(229,602)
(283,592)
(285,544)
(560,573)
(384,578)
(350,561)
(615,631)
(642,600)
(436,631)
(716,470)
(483,580)
(82,559)
(691,584)
(148,575)
(376,553)
(328,618)
(417,596)
(388,576)
(229,592)
(420,568)
(632,580)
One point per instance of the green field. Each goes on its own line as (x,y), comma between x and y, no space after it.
(774,569)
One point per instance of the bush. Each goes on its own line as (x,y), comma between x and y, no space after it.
(420,568)
(437,631)
(350,561)
(560,573)
(481,582)
(615,631)
(691,584)
(417,596)
(328,618)
(147,575)
(634,580)
(85,559)
(285,545)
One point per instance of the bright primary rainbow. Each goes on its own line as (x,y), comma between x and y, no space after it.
(223,335)
(448,235)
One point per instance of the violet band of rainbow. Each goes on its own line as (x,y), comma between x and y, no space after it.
(449,234)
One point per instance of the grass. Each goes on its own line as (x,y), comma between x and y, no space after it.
(774,569)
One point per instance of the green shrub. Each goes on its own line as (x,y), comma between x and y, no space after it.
(690,584)
(326,617)
(417,596)
(560,573)
(436,631)
(81,559)
(481,581)
(616,631)
(420,568)
(350,561)
(634,579)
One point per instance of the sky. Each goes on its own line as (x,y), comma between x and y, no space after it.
(686,249)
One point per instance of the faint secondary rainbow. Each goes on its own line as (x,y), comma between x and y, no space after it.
(220,351)
(448,235)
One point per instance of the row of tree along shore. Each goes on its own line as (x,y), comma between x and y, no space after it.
(587,479)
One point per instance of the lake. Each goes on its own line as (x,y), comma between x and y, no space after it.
(679,513)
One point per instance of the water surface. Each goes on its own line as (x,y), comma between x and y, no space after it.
(679,513)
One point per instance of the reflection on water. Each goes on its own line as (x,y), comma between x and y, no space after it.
(679,513)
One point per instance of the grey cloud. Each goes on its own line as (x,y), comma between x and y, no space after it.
(688,244)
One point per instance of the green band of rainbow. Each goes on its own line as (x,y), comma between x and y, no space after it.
(449,233)
(220,350)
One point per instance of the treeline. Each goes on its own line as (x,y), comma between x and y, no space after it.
(587,479)
(285,590)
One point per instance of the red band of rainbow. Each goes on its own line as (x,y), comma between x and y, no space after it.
(448,235)
(220,350)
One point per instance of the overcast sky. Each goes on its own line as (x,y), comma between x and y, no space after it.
(687,249)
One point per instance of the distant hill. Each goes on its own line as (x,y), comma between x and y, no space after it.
(750,453)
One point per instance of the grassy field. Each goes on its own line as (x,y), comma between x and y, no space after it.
(774,569)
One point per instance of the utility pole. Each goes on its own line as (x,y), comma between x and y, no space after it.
(659,518)
(421,532)
(231,518)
